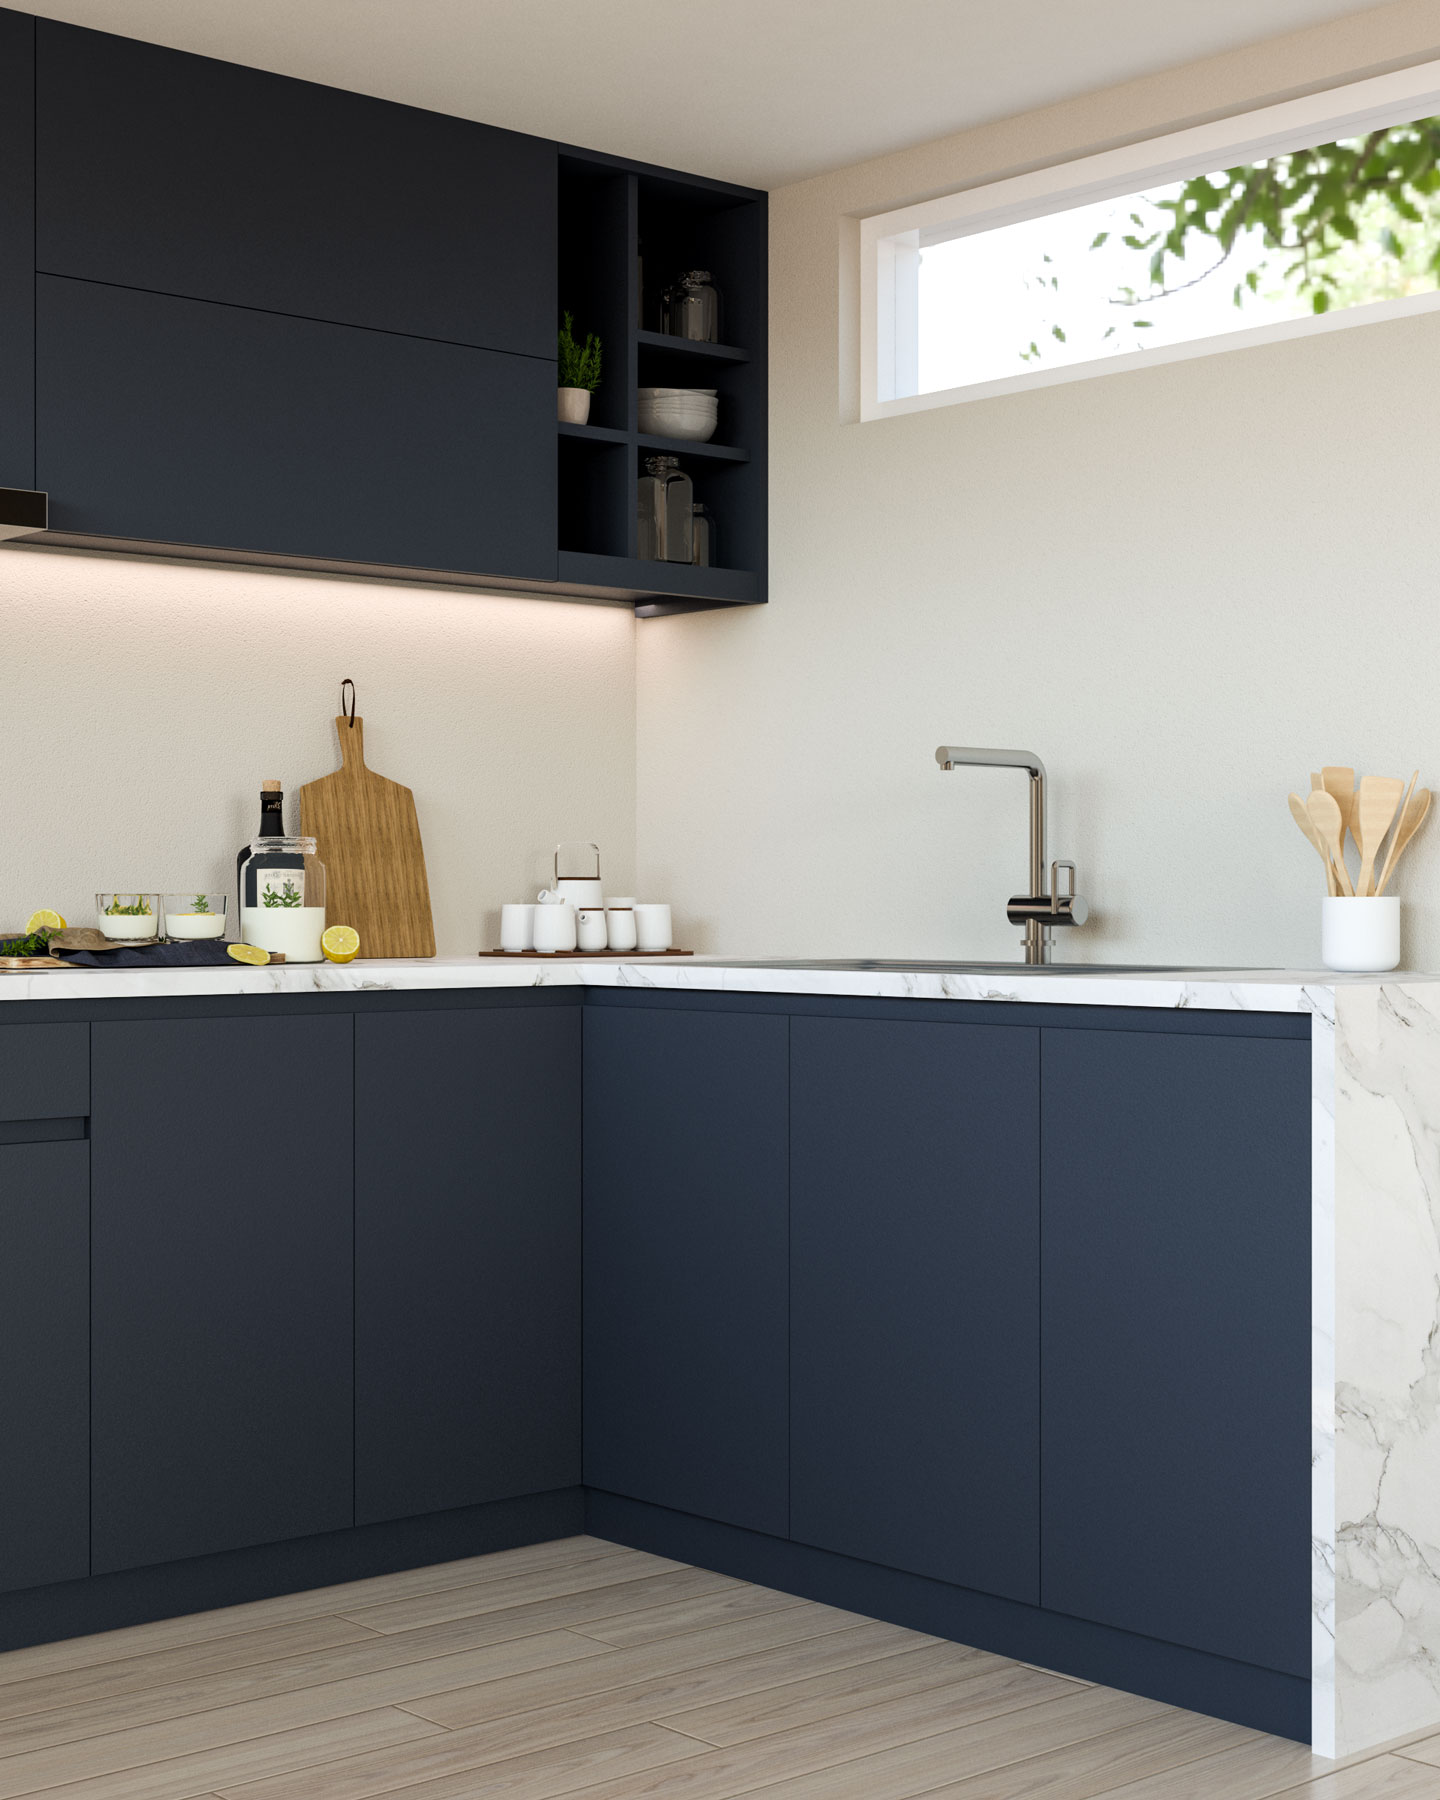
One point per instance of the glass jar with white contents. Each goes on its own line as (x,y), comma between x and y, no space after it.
(282,898)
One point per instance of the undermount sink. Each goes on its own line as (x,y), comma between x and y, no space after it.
(922,965)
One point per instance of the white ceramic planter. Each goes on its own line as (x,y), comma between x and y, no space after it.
(574,406)
(1360,936)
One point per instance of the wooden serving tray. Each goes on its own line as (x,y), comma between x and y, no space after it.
(30,965)
(588,955)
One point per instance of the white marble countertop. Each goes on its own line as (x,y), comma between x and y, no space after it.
(1239,990)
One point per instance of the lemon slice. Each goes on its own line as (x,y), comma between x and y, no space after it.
(249,953)
(341,943)
(44,920)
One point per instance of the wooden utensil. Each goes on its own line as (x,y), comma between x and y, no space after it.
(1308,826)
(1324,811)
(368,837)
(1411,819)
(1375,808)
(1341,783)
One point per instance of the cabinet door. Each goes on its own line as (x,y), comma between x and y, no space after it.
(17,247)
(685,1261)
(914,1195)
(221,1284)
(44,1363)
(1176,1358)
(467,1257)
(182,175)
(186,423)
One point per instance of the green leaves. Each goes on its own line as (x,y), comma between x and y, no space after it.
(579,364)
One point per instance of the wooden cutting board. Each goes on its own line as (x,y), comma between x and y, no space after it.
(368,837)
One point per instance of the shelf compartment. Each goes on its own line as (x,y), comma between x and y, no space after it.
(688,447)
(677,346)
(595,492)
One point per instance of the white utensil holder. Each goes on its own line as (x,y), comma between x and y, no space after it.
(1360,936)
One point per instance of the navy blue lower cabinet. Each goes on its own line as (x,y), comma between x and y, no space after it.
(467,1257)
(177,421)
(686,1306)
(222,1318)
(914,1292)
(45,1360)
(1176,1355)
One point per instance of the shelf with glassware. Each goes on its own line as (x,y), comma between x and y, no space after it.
(645,256)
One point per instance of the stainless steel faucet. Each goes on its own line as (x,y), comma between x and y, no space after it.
(1036,910)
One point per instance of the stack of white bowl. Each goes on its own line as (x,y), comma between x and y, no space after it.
(691,413)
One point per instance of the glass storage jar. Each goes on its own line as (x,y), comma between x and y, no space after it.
(282,898)
(704,552)
(666,499)
(693,308)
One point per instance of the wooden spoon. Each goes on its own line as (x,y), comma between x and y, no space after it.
(1411,820)
(1375,808)
(1307,825)
(1324,811)
(1341,783)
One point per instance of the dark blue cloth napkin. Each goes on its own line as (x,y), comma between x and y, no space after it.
(153,956)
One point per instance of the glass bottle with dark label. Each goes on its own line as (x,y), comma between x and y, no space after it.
(272,824)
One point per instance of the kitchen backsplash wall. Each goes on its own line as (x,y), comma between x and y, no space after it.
(143,703)
(1184,587)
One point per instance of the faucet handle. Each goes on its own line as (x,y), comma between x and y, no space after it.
(1068,908)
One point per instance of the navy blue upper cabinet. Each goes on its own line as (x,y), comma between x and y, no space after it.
(183,175)
(467,1257)
(45,1356)
(915,1291)
(189,423)
(685,1261)
(17,237)
(1176,1357)
(221,1269)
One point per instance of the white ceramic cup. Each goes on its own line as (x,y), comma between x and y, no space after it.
(1360,935)
(590,932)
(620,924)
(554,927)
(652,927)
(517,926)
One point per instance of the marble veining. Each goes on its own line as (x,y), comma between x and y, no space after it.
(1375,1265)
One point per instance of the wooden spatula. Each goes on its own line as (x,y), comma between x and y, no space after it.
(1411,819)
(1375,807)
(1341,783)
(1308,826)
(1324,811)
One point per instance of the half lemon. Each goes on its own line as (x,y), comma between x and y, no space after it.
(341,943)
(44,920)
(249,953)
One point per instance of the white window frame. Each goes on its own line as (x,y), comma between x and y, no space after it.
(890,242)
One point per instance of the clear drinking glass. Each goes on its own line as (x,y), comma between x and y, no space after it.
(194,915)
(665,499)
(129,918)
(282,898)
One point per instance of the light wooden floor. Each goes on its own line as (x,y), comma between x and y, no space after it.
(582,1669)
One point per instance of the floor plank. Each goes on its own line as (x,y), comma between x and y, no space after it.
(308,1747)
(622,1668)
(873,1755)
(128,1748)
(522,1725)
(254,1615)
(1384,1778)
(657,1622)
(432,1608)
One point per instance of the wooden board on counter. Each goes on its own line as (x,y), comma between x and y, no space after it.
(368,837)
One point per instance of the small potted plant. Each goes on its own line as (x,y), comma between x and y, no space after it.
(579,373)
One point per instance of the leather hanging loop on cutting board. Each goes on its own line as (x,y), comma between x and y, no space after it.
(367,834)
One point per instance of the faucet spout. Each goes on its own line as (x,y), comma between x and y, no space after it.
(1036,908)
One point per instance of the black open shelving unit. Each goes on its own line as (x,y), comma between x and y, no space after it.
(612,215)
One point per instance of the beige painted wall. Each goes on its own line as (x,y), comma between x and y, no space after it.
(1185,587)
(143,703)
